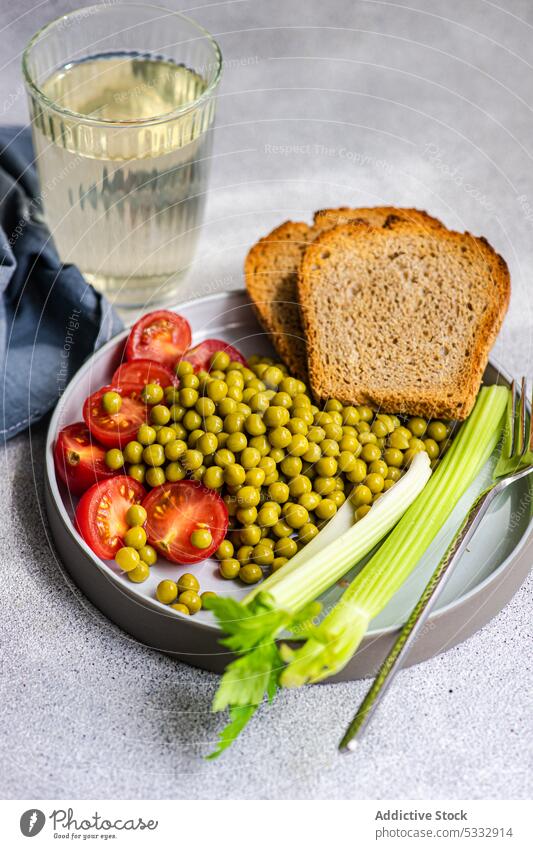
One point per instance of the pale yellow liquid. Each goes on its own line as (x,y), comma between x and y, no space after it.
(125,202)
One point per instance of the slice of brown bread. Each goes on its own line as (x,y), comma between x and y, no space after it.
(271,270)
(401,318)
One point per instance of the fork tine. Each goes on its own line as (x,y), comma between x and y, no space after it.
(530,431)
(511,417)
(521,442)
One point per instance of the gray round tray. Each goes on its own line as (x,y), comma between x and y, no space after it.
(485,580)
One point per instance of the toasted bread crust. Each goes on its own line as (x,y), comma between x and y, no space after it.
(271,269)
(447,395)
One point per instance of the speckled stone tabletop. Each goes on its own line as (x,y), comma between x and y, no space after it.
(356,102)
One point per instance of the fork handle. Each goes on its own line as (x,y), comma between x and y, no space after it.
(411,629)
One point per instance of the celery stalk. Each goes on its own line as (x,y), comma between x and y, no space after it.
(284,601)
(330,644)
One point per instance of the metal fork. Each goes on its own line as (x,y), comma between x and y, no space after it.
(515,462)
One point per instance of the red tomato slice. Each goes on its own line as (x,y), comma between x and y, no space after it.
(175,510)
(79,459)
(101,513)
(162,336)
(141,372)
(200,355)
(116,429)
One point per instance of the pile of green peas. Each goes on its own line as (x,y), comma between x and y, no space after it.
(136,556)
(183,595)
(282,465)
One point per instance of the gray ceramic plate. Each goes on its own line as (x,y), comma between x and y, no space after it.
(482,584)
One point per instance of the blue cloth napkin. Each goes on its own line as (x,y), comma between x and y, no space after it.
(51,319)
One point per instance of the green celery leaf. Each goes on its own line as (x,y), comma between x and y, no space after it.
(239,717)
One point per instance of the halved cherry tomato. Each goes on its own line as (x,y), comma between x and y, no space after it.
(79,459)
(200,355)
(115,429)
(141,372)
(175,510)
(162,336)
(101,513)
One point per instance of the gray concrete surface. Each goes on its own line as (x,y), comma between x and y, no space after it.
(365,102)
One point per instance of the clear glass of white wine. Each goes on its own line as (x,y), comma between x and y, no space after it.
(122,105)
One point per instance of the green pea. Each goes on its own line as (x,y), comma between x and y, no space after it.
(114,458)
(272,376)
(140,574)
(207,444)
(379,429)
(365,413)
(137,472)
(191,459)
(394,474)
(323,485)
(378,467)
(285,547)
(146,435)
(393,457)
(174,449)
(177,412)
(127,558)
(111,402)
(247,515)
(255,477)
(327,466)
(282,529)
(201,538)
(291,466)
(250,535)
(309,500)
(136,515)
(277,454)
(313,453)
(361,495)
(224,458)
(190,381)
(192,420)
(233,422)
(329,448)
(248,496)
(234,474)
(299,486)
(154,455)
(337,497)
(155,476)
(358,473)
(175,472)
(280,437)
(307,532)
(191,600)
(225,550)
(188,397)
(148,555)
(235,392)
(152,393)
(229,568)
(251,573)
(133,452)
(267,516)
(370,453)
(135,537)
(261,443)
(326,509)
(350,416)
(194,436)
(244,554)
(183,367)
(254,424)
(262,554)
(295,515)
(276,416)
(213,477)
(166,592)
(159,414)
(375,483)
(237,442)
(432,448)
(437,431)
(278,492)
(227,406)
(250,457)
(362,511)
(219,360)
